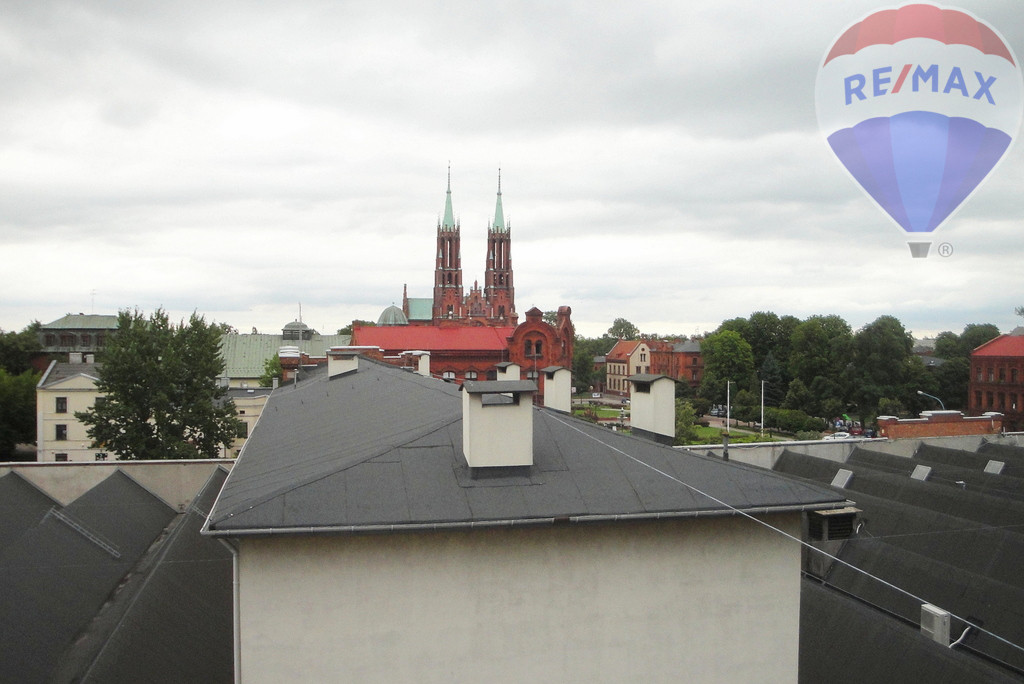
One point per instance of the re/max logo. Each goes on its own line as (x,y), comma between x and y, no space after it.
(922,78)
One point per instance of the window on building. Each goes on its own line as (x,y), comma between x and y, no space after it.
(531,375)
(471,375)
(60,432)
(100,456)
(977,374)
(100,340)
(1013,375)
(61,405)
(1002,375)
(1002,401)
(991,375)
(51,339)
(86,339)
(643,356)
(67,340)
(977,398)
(989,399)
(242,430)
(448,375)
(693,361)
(60,457)
(693,375)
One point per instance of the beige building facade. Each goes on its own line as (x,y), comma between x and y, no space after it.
(63,390)
(701,600)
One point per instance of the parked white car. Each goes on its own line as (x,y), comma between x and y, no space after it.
(838,435)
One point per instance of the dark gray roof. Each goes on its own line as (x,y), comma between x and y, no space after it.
(954,540)
(171,620)
(59,370)
(114,587)
(646,377)
(845,641)
(59,573)
(382,447)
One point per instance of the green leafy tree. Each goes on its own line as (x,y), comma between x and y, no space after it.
(686,422)
(774,381)
(162,397)
(17,348)
(881,368)
(623,330)
(953,377)
(746,406)
(977,334)
(948,346)
(17,410)
(272,370)
(798,397)
(727,356)
(347,330)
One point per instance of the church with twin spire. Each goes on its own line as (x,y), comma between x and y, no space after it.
(491,305)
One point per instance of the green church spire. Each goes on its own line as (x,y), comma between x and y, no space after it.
(449,217)
(499,215)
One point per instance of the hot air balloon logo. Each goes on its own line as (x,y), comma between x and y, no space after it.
(919,103)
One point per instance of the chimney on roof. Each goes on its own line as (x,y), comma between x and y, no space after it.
(652,401)
(508,370)
(345,359)
(74,357)
(422,362)
(497,423)
(558,388)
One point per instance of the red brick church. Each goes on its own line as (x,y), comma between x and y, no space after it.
(469,334)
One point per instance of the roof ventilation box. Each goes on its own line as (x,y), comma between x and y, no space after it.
(497,423)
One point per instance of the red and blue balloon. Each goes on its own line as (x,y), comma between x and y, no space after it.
(919,103)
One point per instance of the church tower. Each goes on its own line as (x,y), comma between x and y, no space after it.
(498,289)
(448,293)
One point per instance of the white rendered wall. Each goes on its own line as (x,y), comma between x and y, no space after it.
(80,393)
(709,600)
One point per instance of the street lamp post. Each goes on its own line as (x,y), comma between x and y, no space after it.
(925,394)
(728,405)
(762,407)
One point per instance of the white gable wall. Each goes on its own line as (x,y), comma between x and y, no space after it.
(706,600)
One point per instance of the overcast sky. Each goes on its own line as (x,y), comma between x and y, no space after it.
(660,162)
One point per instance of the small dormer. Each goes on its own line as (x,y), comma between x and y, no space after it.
(497,423)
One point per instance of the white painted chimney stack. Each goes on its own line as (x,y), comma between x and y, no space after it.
(497,422)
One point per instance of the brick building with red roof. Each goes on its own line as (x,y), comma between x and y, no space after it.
(997,379)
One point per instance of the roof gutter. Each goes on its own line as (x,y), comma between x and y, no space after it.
(518,522)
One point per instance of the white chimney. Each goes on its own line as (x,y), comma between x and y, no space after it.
(344,359)
(558,388)
(74,357)
(652,401)
(422,361)
(497,422)
(508,370)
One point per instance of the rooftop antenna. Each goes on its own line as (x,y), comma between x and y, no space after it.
(92,305)
(300,312)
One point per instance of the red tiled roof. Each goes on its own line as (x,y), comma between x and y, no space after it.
(1004,345)
(432,338)
(622,349)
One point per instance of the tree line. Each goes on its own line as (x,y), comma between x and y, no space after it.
(818,366)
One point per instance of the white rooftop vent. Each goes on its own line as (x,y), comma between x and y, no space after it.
(508,370)
(842,478)
(935,623)
(497,422)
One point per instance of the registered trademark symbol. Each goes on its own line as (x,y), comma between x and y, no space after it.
(945,249)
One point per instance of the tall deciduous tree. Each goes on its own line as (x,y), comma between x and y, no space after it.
(623,330)
(727,356)
(17,410)
(162,397)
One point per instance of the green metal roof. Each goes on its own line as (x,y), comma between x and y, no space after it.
(244,355)
(420,308)
(82,322)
